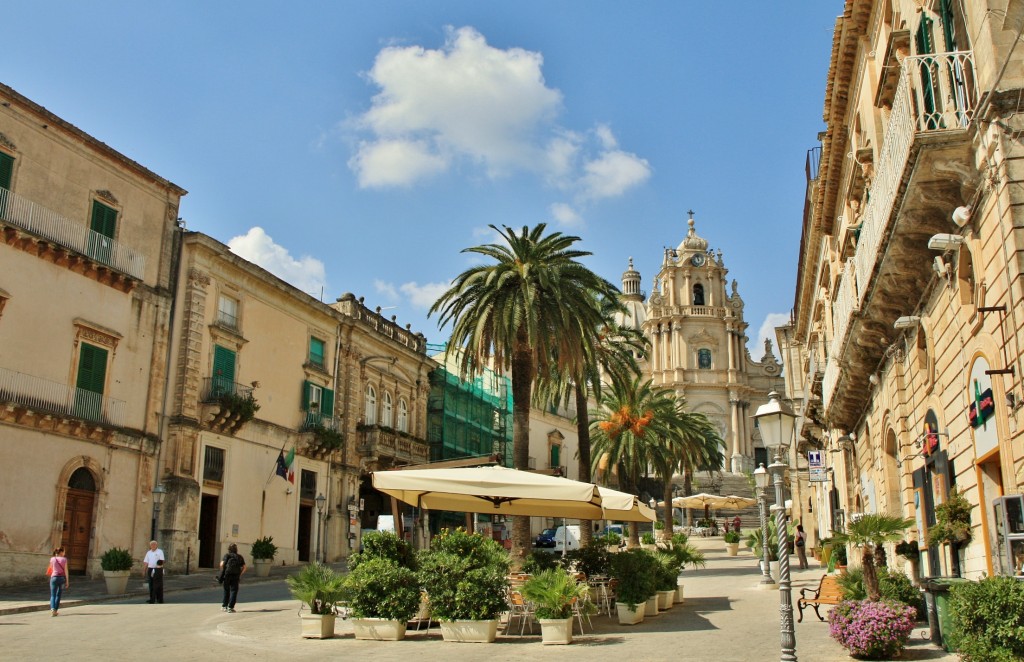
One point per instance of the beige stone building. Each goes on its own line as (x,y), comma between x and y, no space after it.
(694,322)
(259,368)
(86,266)
(907,327)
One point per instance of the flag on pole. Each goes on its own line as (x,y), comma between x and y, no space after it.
(282,467)
(290,465)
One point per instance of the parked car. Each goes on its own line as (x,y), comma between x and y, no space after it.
(545,539)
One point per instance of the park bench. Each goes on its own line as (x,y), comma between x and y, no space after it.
(827,593)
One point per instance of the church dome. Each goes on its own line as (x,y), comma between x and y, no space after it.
(692,242)
(635,315)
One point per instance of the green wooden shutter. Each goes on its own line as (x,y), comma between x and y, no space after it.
(946,16)
(316,351)
(327,403)
(305,395)
(223,370)
(104,219)
(92,368)
(555,456)
(6,170)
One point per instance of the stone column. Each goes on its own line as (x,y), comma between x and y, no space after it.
(736,451)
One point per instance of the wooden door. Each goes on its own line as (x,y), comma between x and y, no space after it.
(208,508)
(305,540)
(77,528)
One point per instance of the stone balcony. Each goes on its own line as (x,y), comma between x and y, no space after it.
(380,446)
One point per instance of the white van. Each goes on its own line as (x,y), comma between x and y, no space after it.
(567,538)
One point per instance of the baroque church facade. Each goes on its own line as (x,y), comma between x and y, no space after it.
(694,321)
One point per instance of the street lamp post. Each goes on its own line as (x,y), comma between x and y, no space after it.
(158,498)
(776,422)
(761,481)
(320,501)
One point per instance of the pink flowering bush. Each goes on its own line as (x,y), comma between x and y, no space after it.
(871,630)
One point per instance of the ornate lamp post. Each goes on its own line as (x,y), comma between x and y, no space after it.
(320,501)
(158,498)
(761,481)
(776,422)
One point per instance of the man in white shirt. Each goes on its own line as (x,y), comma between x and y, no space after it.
(151,566)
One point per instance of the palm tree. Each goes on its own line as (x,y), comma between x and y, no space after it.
(614,355)
(695,443)
(869,533)
(630,432)
(532,311)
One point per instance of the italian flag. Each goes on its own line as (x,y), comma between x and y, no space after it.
(289,462)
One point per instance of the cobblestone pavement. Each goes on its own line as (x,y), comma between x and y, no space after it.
(725,618)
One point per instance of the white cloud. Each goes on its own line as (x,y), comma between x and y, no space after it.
(386,289)
(565,215)
(767,331)
(395,163)
(605,135)
(466,98)
(306,273)
(613,173)
(423,296)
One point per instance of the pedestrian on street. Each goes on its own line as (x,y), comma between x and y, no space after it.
(801,546)
(231,567)
(58,572)
(151,565)
(736,524)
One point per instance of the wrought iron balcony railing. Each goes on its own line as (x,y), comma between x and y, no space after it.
(311,420)
(215,388)
(63,231)
(59,399)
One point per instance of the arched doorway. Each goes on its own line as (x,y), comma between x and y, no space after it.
(78,509)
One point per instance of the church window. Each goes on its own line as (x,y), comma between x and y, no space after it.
(704,359)
(698,295)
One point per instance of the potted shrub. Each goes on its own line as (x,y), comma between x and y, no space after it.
(952,526)
(871,630)
(263,552)
(685,554)
(648,542)
(382,596)
(320,589)
(116,563)
(987,621)
(466,579)
(732,542)
(634,573)
(554,593)
(666,575)
(612,541)
(910,550)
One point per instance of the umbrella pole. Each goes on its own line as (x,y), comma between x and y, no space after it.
(396,513)
(469,523)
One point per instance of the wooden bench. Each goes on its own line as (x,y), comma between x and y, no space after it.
(827,593)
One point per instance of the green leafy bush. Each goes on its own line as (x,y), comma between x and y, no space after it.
(538,561)
(731,537)
(892,584)
(380,588)
(553,592)
(908,549)
(755,540)
(465,576)
(116,559)
(667,571)
(591,560)
(647,538)
(635,570)
(610,539)
(987,620)
(264,549)
(384,545)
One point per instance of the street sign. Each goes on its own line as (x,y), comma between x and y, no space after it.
(816,464)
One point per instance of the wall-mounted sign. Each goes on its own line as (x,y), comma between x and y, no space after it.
(816,465)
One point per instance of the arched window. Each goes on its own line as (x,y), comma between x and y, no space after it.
(698,295)
(965,277)
(386,411)
(82,479)
(370,411)
(403,415)
(704,359)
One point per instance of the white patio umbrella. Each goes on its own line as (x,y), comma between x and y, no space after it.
(492,490)
(624,507)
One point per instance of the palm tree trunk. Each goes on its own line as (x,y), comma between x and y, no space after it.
(583,435)
(666,518)
(522,387)
(870,575)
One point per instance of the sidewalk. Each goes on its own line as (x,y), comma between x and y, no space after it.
(35,596)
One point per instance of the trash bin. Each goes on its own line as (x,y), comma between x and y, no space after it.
(936,594)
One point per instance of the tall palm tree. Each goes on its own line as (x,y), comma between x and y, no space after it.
(613,356)
(868,533)
(695,443)
(532,311)
(630,432)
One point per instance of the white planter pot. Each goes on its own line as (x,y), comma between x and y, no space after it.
(117,581)
(773,568)
(649,548)
(732,548)
(652,606)
(263,567)
(613,549)
(665,599)
(317,626)
(679,593)
(378,629)
(629,616)
(483,632)
(556,630)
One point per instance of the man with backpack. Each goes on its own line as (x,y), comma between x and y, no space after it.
(231,568)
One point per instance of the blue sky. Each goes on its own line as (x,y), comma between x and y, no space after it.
(359,146)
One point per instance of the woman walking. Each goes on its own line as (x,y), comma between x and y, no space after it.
(801,546)
(58,572)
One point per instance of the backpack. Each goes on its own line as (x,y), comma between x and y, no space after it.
(232,564)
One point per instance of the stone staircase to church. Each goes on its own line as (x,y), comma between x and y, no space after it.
(726,484)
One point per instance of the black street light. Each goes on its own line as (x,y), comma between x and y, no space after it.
(158,498)
(776,422)
(320,501)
